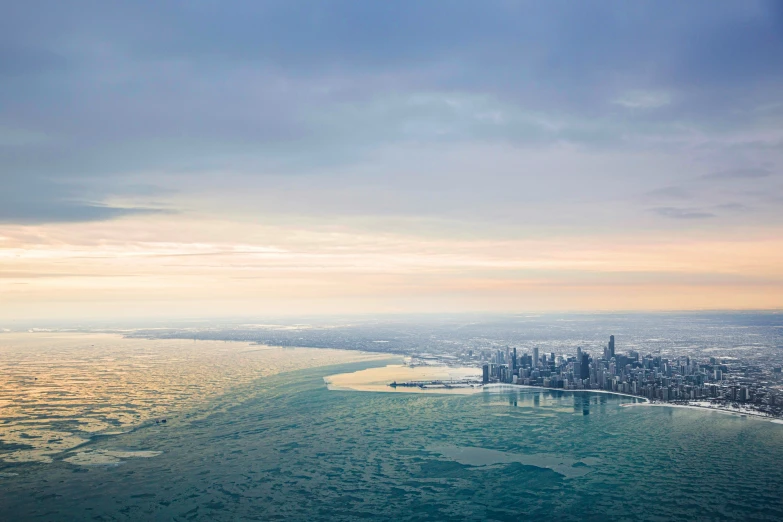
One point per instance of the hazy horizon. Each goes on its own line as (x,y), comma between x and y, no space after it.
(65,322)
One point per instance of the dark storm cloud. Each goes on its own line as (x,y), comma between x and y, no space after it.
(96,92)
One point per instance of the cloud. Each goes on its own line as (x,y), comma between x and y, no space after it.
(643,100)
(37,199)
(734,207)
(740,173)
(667,193)
(682,213)
(55,212)
(193,94)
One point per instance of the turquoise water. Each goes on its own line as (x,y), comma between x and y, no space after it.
(285,448)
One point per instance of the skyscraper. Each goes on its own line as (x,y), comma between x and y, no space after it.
(611,346)
(535,358)
(485,373)
(585,366)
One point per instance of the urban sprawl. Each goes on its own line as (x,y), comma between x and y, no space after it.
(721,383)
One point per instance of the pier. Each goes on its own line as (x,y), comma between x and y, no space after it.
(438,384)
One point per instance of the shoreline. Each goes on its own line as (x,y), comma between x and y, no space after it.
(747,414)
(639,401)
(644,401)
(505,387)
(606,392)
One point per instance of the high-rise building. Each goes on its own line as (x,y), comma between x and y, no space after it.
(535,358)
(485,373)
(611,346)
(585,366)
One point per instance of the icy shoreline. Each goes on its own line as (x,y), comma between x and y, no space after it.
(742,413)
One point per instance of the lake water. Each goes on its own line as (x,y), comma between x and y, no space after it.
(59,390)
(284,447)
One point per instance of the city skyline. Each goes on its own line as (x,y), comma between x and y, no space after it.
(716,382)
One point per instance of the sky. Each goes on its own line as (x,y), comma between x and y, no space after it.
(205,158)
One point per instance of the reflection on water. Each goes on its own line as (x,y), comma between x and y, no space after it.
(58,390)
(582,403)
(532,400)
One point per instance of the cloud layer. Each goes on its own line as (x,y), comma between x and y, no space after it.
(95,93)
(443,121)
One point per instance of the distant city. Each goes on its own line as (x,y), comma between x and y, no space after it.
(727,361)
(722,383)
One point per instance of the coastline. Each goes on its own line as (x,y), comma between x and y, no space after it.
(504,387)
(527,386)
(747,414)
(644,401)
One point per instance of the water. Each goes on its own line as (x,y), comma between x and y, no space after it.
(286,448)
(59,390)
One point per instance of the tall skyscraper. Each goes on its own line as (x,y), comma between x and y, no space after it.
(611,346)
(535,358)
(585,366)
(485,373)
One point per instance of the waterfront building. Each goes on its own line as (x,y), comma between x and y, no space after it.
(678,378)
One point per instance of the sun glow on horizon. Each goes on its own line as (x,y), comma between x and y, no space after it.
(191,265)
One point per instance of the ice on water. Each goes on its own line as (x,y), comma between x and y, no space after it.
(59,389)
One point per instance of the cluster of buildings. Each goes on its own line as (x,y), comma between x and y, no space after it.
(652,377)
